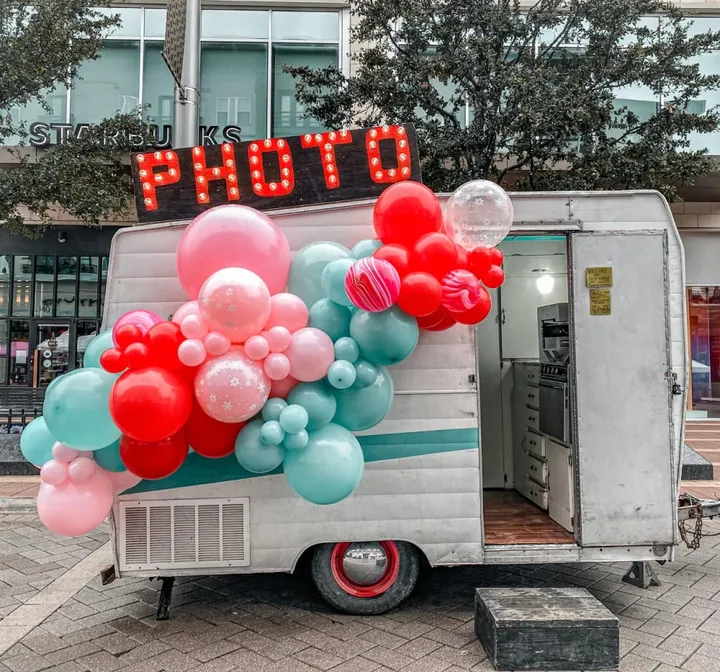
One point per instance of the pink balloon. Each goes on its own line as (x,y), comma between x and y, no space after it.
(63,453)
(53,472)
(192,352)
(281,388)
(257,348)
(81,470)
(287,311)
(75,509)
(277,366)
(232,388)
(189,308)
(232,235)
(461,291)
(372,284)
(217,343)
(143,319)
(193,326)
(235,302)
(121,480)
(279,339)
(311,353)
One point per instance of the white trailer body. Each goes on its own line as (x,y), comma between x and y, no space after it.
(423,476)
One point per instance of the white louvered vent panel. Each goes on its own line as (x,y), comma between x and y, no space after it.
(184,534)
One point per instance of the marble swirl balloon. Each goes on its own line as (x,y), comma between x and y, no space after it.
(460,291)
(372,284)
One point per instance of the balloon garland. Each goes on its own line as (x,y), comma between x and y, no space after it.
(275,377)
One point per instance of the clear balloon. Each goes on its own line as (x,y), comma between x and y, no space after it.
(333,281)
(346,348)
(272,433)
(341,374)
(192,352)
(36,442)
(359,409)
(108,458)
(385,338)
(319,402)
(308,266)
(289,311)
(144,320)
(81,469)
(235,302)
(102,342)
(254,455)
(273,408)
(329,468)
(217,344)
(479,213)
(54,472)
(278,338)
(257,348)
(310,353)
(277,366)
(232,236)
(77,412)
(365,248)
(331,318)
(294,419)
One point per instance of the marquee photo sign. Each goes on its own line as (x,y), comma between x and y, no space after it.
(326,167)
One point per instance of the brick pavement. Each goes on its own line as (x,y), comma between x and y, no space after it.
(277,624)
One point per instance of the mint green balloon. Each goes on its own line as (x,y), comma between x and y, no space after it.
(331,318)
(109,458)
(385,338)
(333,281)
(365,248)
(346,348)
(363,408)
(36,442)
(252,454)
(296,441)
(102,342)
(272,409)
(328,469)
(271,433)
(365,374)
(341,374)
(318,400)
(307,269)
(77,410)
(294,419)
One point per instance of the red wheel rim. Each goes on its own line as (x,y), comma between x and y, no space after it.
(374,589)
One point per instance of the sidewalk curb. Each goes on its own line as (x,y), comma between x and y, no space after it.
(17,505)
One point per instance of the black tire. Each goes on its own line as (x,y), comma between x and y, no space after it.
(337,597)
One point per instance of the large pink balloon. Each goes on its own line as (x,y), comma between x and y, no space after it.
(311,353)
(281,388)
(143,319)
(232,235)
(232,388)
(287,311)
(235,302)
(75,509)
(121,480)
(189,308)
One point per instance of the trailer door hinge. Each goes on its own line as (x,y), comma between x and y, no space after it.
(676,389)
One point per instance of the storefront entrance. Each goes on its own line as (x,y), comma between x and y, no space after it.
(704,332)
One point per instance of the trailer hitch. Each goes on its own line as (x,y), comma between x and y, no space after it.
(694,508)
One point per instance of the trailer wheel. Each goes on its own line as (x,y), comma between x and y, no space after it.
(365,578)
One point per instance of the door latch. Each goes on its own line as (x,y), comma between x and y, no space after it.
(676,389)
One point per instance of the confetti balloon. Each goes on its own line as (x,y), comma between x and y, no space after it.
(372,284)
(460,291)
(232,388)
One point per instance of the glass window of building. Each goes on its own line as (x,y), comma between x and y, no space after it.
(235,25)
(88,289)
(67,299)
(158,87)
(19,360)
(44,286)
(22,285)
(704,327)
(5,260)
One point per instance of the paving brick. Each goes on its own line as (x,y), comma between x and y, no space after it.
(644,651)
(44,643)
(633,663)
(681,645)
(72,653)
(117,643)
(28,662)
(384,639)
(699,663)
(101,661)
(321,659)
(659,628)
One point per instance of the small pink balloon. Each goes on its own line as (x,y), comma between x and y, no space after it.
(257,348)
(287,311)
(192,352)
(81,469)
(143,319)
(277,366)
(217,344)
(235,302)
(63,453)
(311,353)
(86,453)
(279,339)
(75,509)
(189,308)
(53,472)
(193,326)
(281,388)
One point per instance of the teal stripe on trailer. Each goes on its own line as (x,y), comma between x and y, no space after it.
(199,470)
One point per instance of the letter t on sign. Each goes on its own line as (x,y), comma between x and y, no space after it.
(326,142)
(151,179)
(227,171)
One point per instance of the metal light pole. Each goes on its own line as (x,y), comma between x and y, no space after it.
(187,96)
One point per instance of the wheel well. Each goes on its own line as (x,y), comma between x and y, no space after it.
(302,564)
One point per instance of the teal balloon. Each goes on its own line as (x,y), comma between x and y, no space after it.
(365,248)
(328,469)
(385,338)
(36,442)
(365,372)
(331,318)
(341,374)
(77,410)
(346,348)
(271,433)
(360,409)
(307,269)
(294,419)
(109,458)
(102,342)
(333,281)
(252,454)
(296,441)
(318,400)
(272,409)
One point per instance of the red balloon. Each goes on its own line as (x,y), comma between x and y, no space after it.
(478,313)
(496,256)
(440,320)
(397,255)
(405,211)
(480,260)
(209,437)
(153,461)
(434,253)
(137,356)
(112,361)
(494,277)
(150,405)
(163,341)
(127,335)
(462,257)
(420,294)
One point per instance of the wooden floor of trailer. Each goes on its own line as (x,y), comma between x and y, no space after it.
(509,518)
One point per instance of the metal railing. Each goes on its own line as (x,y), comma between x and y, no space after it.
(19,407)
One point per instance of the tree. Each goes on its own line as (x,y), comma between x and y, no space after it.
(536,82)
(42,45)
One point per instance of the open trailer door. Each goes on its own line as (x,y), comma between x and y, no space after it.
(623,420)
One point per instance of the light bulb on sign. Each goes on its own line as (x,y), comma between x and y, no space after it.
(545,284)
